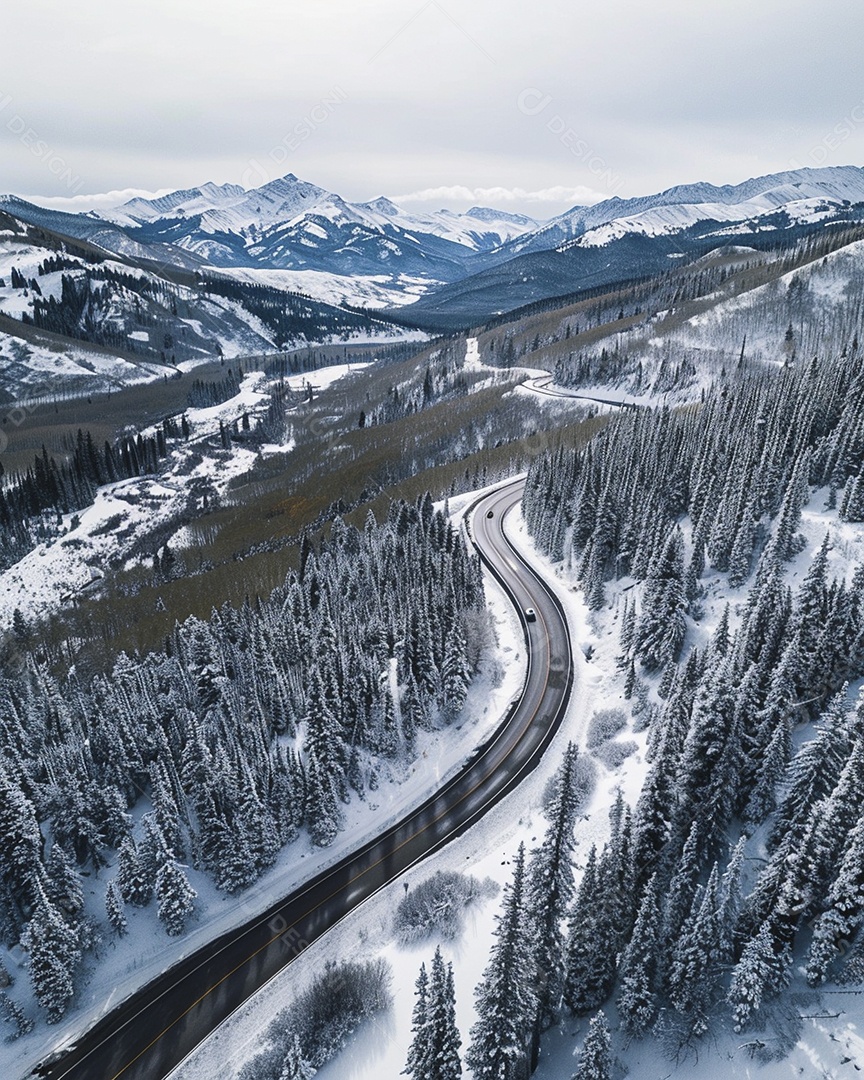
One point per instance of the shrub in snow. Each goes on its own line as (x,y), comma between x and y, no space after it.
(437,905)
(614,754)
(323,1018)
(605,725)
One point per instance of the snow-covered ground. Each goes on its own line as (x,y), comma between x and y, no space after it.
(542,386)
(371,291)
(324,377)
(58,571)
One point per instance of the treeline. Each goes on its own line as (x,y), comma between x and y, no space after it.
(443,378)
(660,918)
(82,309)
(292,316)
(32,502)
(204,393)
(246,729)
(300,361)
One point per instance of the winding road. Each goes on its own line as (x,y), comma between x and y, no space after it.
(545,386)
(146,1036)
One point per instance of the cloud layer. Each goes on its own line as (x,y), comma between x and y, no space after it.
(410,95)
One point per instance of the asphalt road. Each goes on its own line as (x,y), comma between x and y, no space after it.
(543,384)
(146,1036)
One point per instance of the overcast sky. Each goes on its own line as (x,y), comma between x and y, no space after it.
(531,106)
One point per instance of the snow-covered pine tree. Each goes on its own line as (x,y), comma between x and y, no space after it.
(12,1012)
(20,846)
(507,995)
(662,624)
(174,896)
(416,1061)
(134,887)
(115,908)
(550,886)
(54,952)
(64,886)
(455,673)
(637,999)
(816,767)
(761,972)
(595,1057)
(762,800)
(295,1066)
(839,925)
(693,974)
(434,1051)
(600,920)
(322,810)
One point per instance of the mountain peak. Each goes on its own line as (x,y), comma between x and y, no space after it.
(382,205)
(488,213)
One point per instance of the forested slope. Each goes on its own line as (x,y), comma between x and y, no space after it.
(245,729)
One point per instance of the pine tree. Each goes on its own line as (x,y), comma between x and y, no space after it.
(416,1063)
(595,1058)
(434,1051)
(760,973)
(600,921)
(693,971)
(115,908)
(583,987)
(729,904)
(841,922)
(550,886)
(175,897)
(816,768)
(507,997)
(134,886)
(763,797)
(662,626)
(455,673)
(20,840)
(10,1010)
(322,811)
(54,953)
(637,1001)
(295,1066)
(784,543)
(681,888)
(65,889)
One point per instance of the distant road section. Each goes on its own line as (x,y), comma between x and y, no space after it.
(543,385)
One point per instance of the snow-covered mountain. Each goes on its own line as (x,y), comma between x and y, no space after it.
(802,193)
(290,224)
(620,239)
(452,268)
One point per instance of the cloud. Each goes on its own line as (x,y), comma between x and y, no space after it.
(107,200)
(582,196)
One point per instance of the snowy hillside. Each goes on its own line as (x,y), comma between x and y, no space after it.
(75,321)
(810,312)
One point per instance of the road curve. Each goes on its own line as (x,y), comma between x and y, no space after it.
(146,1036)
(544,385)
